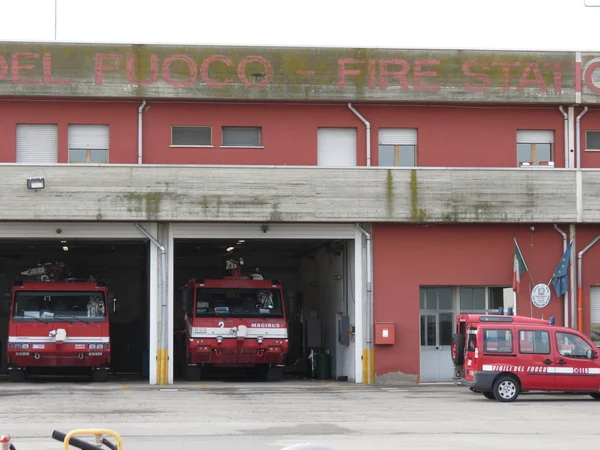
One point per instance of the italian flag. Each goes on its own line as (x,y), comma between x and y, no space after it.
(519,267)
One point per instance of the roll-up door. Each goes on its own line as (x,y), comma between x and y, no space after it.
(37,143)
(88,143)
(535,137)
(397,136)
(595,313)
(336,147)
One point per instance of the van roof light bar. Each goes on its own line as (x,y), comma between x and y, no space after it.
(496,319)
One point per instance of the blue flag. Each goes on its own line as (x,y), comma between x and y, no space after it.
(560,278)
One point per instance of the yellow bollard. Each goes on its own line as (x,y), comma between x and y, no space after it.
(93,432)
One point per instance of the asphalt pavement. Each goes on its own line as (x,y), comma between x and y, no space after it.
(237,415)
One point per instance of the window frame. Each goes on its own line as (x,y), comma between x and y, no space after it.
(578,357)
(533,352)
(587,149)
(88,152)
(260,135)
(211,145)
(532,151)
(499,330)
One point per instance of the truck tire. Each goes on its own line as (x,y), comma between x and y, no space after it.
(16,376)
(100,376)
(489,395)
(506,388)
(458,349)
(192,373)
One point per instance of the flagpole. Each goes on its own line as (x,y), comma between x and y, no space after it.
(55,18)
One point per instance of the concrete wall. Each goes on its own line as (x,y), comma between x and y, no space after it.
(407,257)
(201,193)
(149,71)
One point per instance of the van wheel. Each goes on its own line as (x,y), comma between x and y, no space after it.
(506,389)
(489,395)
(595,396)
(457,349)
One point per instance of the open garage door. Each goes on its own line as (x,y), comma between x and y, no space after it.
(117,254)
(319,268)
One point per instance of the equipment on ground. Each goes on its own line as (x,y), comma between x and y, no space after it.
(57,322)
(70,440)
(237,321)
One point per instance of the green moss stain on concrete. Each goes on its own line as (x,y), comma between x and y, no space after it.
(416,214)
(275,215)
(147,204)
(389,193)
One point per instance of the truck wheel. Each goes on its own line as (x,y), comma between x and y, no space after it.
(458,349)
(595,395)
(16,376)
(275,374)
(489,395)
(192,373)
(506,388)
(100,376)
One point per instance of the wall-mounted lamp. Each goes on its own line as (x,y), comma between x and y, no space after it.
(36,183)
(229,249)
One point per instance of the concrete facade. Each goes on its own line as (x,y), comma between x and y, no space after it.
(448,220)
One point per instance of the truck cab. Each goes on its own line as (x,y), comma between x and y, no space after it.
(235,321)
(506,355)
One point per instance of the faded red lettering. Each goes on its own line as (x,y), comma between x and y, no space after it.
(506,71)
(557,72)
(265,77)
(47,61)
(525,81)
(17,67)
(101,68)
(484,79)
(166,71)
(418,75)
(3,68)
(588,77)
(343,72)
(372,74)
(153,71)
(400,76)
(204,71)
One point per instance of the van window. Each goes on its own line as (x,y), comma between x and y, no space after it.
(472,341)
(534,342)
(497,341)
(571,345)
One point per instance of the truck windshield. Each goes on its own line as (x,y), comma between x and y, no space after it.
(238,302)
(53,306)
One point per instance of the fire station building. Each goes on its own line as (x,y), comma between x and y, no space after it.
(387,189)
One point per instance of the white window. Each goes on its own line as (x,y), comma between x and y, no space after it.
(398,147)
(595,314)
(336,147)
(242,137)
(88,143)
(191,136)
(37,143)
(592,140)
(535,148)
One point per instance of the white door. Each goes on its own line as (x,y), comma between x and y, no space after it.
(595,314)
(37,143)
(336,147)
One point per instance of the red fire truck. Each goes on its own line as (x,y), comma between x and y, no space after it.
(237,321)
(57,321)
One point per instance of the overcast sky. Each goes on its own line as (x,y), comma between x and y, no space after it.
(464,24)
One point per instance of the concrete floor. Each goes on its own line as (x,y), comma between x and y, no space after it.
(270,416)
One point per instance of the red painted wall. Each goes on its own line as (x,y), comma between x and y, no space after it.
(462,255)
(590,121)
(447,136)
(121,116)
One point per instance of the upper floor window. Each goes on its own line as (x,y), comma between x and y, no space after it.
(535,148)
(37,143)
(191,136)
(592,140)
(242,137)
(398,147)
(89,143)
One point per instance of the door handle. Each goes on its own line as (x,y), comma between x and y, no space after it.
(561,362)
(547,361)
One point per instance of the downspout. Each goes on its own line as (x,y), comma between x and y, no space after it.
(369,306)
(162,366)
(578,136)
(140,147)
(566,133)
(579,285)
(368,125)
(566,298)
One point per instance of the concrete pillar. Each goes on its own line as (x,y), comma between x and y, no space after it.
(360,308)
(154,302)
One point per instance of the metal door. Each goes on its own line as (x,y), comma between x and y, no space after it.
(436,337)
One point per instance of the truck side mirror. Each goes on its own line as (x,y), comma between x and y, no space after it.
(113,300)
(591,354)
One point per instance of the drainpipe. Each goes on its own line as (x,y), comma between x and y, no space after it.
(566,295)
(140,148)
(162,368)
(566,133)
(578,136)
(368,125)
(579,285)
(369,305)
